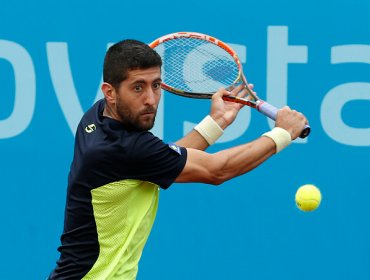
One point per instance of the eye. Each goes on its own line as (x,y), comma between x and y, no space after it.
(138,88)
(157,85)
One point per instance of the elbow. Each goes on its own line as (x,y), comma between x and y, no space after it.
(218,171)
(218,182)
(217,178)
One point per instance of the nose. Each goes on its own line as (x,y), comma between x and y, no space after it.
(150,97)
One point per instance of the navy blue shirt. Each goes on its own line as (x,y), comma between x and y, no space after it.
(106,152)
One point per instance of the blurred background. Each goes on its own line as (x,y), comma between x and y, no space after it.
(313,55)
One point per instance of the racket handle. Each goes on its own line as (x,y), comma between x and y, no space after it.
(271,112)
(267,109)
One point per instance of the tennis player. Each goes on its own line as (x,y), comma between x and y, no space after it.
(119,166)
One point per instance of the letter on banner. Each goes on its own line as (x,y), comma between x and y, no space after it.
(335,99)
(279,55)
(25,89)
(61,76)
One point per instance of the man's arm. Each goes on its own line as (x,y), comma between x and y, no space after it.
(226,164)
(222,112)
(219,167)
(193,140)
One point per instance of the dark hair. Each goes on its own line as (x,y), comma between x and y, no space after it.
(128,55)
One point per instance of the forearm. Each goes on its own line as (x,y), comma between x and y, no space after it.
(244,158)
(224,165)
(193,140)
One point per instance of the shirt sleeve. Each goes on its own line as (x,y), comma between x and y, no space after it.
(155,161)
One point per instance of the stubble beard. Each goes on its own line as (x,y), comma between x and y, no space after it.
(135,120)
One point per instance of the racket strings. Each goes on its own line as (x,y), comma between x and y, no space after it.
(195,65)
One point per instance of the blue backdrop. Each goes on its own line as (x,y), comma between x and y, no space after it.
(313,55)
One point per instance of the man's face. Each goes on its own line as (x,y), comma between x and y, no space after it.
(137,98)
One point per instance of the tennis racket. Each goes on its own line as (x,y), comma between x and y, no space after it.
(196,65)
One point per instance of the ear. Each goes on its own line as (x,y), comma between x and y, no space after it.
(109,93)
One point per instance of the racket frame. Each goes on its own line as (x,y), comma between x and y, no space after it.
(262,106)
(201,95)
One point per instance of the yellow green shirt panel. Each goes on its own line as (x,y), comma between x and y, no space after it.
(124,214)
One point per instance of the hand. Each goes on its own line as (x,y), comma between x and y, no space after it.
(291,120)
(225,112)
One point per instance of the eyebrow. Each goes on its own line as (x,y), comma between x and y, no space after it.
(142,81)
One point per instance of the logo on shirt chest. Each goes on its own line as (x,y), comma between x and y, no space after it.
(90,128)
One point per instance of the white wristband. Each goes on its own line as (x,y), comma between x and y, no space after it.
(280,136)
(209,129)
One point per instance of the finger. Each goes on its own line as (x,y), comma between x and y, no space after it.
(243,93)
(221,92)
(235,90)
(305,119)
(248,91)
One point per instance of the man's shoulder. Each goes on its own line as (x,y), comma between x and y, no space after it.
(145,138)
(94,111)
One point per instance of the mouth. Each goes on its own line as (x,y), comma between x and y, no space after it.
(148,112)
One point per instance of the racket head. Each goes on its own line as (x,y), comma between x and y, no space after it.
(196,65)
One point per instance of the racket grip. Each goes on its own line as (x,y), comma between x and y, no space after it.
(268,110)
(271,112)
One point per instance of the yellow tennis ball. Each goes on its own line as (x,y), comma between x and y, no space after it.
(308,198)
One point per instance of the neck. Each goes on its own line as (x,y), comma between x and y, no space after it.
(108,112)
